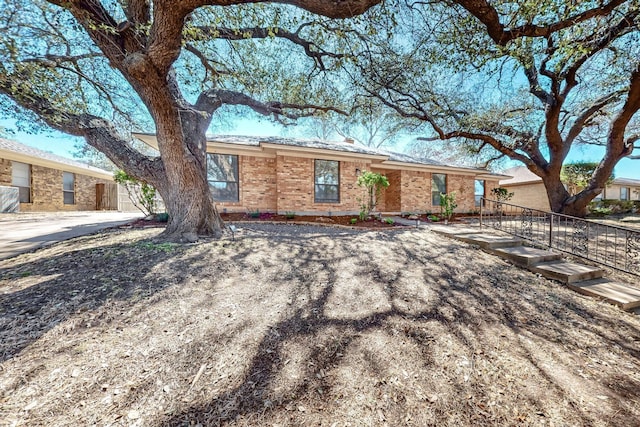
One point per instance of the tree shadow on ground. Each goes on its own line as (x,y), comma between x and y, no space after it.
(79,282)
(428,299)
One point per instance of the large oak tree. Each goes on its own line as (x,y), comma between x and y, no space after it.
(526,80)
(99,69)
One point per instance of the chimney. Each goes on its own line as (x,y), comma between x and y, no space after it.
(349,140)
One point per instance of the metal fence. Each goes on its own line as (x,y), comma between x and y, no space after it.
(610,245)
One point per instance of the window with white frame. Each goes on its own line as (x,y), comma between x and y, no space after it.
(68,188)
(438,186)
(327,181)
(222,176)
(21,178)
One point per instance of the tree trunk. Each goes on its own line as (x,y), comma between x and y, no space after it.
(556,193)
(562,202)
(183,184)
(192,212)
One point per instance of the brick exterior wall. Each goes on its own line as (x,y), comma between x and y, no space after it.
(295,183)
(5,172)
(415,191)
(286,184)
(258,186)
(46,189)
(529,195)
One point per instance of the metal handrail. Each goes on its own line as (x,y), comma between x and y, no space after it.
(611,245)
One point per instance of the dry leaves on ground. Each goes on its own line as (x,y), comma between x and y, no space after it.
(295,325)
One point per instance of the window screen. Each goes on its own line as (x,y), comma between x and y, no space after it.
(68,188)
(222,175)
(21,178)
(438,185)
(327,181)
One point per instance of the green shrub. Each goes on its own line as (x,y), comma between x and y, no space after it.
(354,220)
(141,194)
(448,204)
(600,211)
(617,206)
(501,194)
(389,221)
(290,215)
(373,184)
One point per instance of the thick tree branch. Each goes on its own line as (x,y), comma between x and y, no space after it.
(209,101)
(98,132)
(489,16)
(138,12)
(580,122)
(329,8)
(625,24)
(98,24)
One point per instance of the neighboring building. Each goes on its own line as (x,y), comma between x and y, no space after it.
(622,189)
(317,177)
(33,180)
(528,189)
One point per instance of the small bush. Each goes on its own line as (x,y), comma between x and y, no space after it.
(616,206)
(389,221)
(162,217)
(254,214)
(290,215)
(354,220)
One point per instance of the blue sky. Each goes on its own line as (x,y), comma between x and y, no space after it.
(63,145)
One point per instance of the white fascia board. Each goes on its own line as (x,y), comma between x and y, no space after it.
(297,151)
(435,169)
(238,150)
(147,138)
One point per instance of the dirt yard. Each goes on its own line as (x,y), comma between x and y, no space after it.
(304,326)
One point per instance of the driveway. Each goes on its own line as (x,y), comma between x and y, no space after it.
(22,232)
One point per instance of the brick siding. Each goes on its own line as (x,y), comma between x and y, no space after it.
(529,195)
(5,172)
(46,189)
(286,184)
(257,186)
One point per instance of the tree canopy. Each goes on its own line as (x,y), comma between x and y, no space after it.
(100,70)
(524,80)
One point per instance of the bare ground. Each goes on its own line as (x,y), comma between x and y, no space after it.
(291,325)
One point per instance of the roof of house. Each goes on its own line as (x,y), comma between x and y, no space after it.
(382,157)
(522,175)
(321,144)
(519,175)
(627,181)
(13,150)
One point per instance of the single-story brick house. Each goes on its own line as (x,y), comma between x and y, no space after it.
(315,177)
(33,180)
(528,189)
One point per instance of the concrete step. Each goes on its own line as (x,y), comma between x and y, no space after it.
(527,256)
(620,294)
(567,272)
(453,230)
(488,241)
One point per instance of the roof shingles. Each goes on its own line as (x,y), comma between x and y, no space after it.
(26,150)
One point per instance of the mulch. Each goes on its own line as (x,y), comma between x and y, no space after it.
(265,217)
